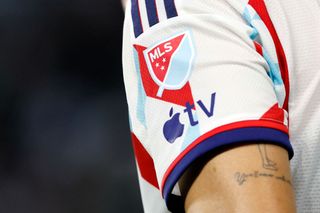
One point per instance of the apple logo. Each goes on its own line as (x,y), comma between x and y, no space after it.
(173,129)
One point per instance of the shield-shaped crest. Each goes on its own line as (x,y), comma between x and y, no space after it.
(169,62)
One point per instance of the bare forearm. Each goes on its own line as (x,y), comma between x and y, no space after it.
(250,178)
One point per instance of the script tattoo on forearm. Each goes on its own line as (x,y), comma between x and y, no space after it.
(242,177)
(267,163)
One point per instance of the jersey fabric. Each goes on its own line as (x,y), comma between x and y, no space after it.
(202,75)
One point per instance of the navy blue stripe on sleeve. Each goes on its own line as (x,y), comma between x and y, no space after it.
(152,12)
(170,8)
(136,18)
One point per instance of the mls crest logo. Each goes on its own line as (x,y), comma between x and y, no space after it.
(169,62)
(165,68)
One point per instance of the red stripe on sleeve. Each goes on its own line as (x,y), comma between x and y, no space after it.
(145,162)
(261,9)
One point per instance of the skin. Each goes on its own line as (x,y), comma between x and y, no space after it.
(238,180)
(124,2)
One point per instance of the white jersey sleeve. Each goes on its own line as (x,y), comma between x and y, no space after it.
(199,76)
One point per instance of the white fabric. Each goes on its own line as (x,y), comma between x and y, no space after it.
(298,27)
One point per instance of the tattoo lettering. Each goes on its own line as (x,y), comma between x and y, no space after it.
(242,177)
(266,162)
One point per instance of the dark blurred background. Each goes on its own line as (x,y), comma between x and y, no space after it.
(64,136)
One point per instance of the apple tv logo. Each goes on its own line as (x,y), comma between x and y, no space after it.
(173,128)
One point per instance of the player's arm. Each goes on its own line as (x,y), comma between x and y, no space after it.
(235,93)
(248,178)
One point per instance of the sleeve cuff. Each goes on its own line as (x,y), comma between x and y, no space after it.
(231,137)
